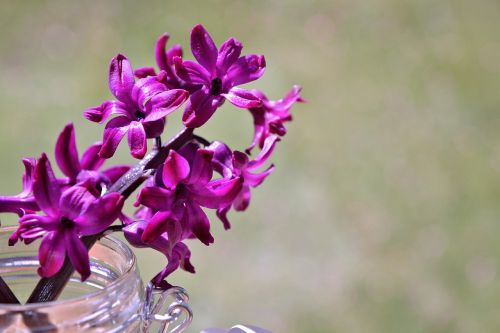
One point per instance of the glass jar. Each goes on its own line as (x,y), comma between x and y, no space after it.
(112,299)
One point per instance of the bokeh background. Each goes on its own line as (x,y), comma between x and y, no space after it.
(383,213)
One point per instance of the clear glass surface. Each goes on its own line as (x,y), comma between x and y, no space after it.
(111,300)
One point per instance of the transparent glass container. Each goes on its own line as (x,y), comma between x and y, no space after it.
(112,299)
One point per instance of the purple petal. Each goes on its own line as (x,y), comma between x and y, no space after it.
(191,72)
(143,72)
(102,112)
(29,236)
(75,200)
(184,254)
(95,179)
(284,104)
(240,161)
(222,160)
(200,225)
(66,152)
(200,107)
(156,198)
(133,233)
(137,139)
(243,98)
(45,187)
(157,225)
(121,78)
(201,170)
(51,254)
(256,179)
(173,52)
(260,130)
(175,169)
(113,133)
(100,214)
(29,171)
(218,193)
(173,264)
(188,151)
(160,54)
(146,88)
(222,215)
(265,153)
(78,254)
(276,127)
(154,128)
(143,213)
(115,172)
(229,52)
(246,69)
(164,103)
(164,59)
(90,158)
(203,48)
(242,201)
(47,223)
(17,205)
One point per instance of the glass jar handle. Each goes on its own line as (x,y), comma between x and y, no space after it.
(155,302)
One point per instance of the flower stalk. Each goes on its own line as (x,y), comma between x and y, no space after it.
(176,182)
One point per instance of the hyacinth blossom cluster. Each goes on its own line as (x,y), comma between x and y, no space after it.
(176,182)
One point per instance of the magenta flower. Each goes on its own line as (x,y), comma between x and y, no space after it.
(68,215)
(165,61)
(177,255)
(185,186)
(219,72)
(78,170)
(24,201)
(236,164)
(141,108)
(270,117)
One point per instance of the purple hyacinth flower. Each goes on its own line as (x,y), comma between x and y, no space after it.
(178,255)
(185,187)
(270,117)
(141,108)
(78,170)
(67,215)
(165,61)
(23,202)
(237,164)
(219,72)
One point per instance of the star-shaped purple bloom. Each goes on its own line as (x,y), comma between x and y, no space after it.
(177,255)
(237,164)
(186,186)
(67,215)
(141,108)
(219,72)
(165,61)
(269,118)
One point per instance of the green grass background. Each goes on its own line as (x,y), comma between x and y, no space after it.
(383,213)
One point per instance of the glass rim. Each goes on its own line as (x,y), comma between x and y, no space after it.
(117,245)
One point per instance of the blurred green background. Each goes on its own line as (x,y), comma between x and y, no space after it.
(383,213)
